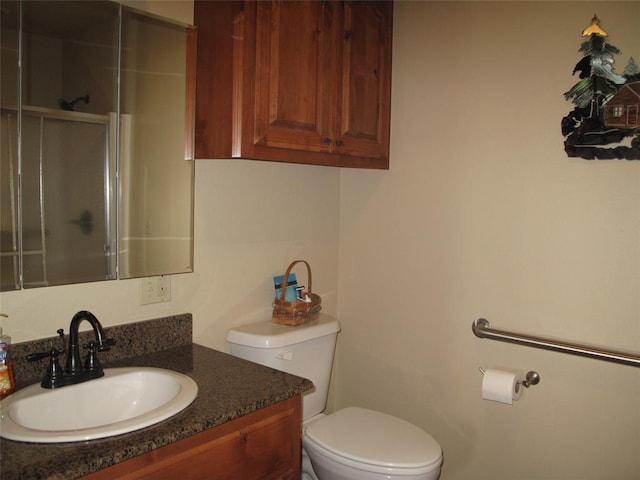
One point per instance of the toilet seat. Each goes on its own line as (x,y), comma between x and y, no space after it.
(374,441)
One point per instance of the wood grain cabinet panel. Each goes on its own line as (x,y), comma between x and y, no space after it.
(263,445)
(366,80)
(304,81)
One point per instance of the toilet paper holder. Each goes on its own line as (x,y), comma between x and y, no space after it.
(531,378)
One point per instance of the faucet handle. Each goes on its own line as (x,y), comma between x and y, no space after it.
(36,356)
(106,345)
(53,353)
(91,363)
(54,373)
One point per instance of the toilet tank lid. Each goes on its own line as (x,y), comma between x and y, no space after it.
(267,334)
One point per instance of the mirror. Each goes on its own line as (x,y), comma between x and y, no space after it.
(156,221)
(94,182)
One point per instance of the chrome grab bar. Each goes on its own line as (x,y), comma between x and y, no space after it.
(482,329)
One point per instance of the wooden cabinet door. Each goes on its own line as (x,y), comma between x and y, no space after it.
(365,88)
(322,80)
(290,51)
(294,81)
(263,445)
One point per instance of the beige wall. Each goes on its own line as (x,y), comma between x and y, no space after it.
(179,10)
(251,220)
(482,214)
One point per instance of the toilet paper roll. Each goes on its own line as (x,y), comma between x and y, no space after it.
(500,386)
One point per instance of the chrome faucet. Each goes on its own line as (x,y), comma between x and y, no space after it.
(75,371)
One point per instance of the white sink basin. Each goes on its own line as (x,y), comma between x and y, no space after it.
(124,400)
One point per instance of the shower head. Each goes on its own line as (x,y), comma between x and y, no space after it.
(64,105)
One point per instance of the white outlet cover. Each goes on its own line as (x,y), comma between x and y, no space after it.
(154,289)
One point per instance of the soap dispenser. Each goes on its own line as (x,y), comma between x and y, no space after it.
(7,381)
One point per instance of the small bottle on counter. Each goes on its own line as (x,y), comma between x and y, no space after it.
(7,381)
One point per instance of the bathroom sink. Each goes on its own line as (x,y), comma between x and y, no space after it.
(124,400)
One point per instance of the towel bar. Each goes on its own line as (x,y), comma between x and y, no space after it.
(482,329)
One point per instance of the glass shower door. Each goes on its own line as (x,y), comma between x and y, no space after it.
(66,235)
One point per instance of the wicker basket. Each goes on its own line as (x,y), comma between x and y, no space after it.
(298,312)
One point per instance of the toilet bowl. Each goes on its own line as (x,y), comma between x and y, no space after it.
(357,443)
(352,443)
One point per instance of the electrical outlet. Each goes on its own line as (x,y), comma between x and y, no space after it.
(164,288)
(155,289)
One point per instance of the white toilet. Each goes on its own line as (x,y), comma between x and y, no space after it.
(352,443)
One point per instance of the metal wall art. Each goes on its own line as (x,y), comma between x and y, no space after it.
(605,123)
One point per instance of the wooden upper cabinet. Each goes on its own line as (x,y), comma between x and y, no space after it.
(304,82)
(289,105)
(366,81)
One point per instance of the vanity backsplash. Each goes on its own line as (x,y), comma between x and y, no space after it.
(132,340)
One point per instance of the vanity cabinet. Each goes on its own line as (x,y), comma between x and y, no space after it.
(261,445)
(304,82)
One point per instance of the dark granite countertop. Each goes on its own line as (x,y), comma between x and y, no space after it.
(228,387)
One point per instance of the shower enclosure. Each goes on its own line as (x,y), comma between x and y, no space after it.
(57,166)
(65,198)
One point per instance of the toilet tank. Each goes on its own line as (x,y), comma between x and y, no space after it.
(304,350)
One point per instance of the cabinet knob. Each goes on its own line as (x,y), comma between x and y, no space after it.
(339,143)
(326,141)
